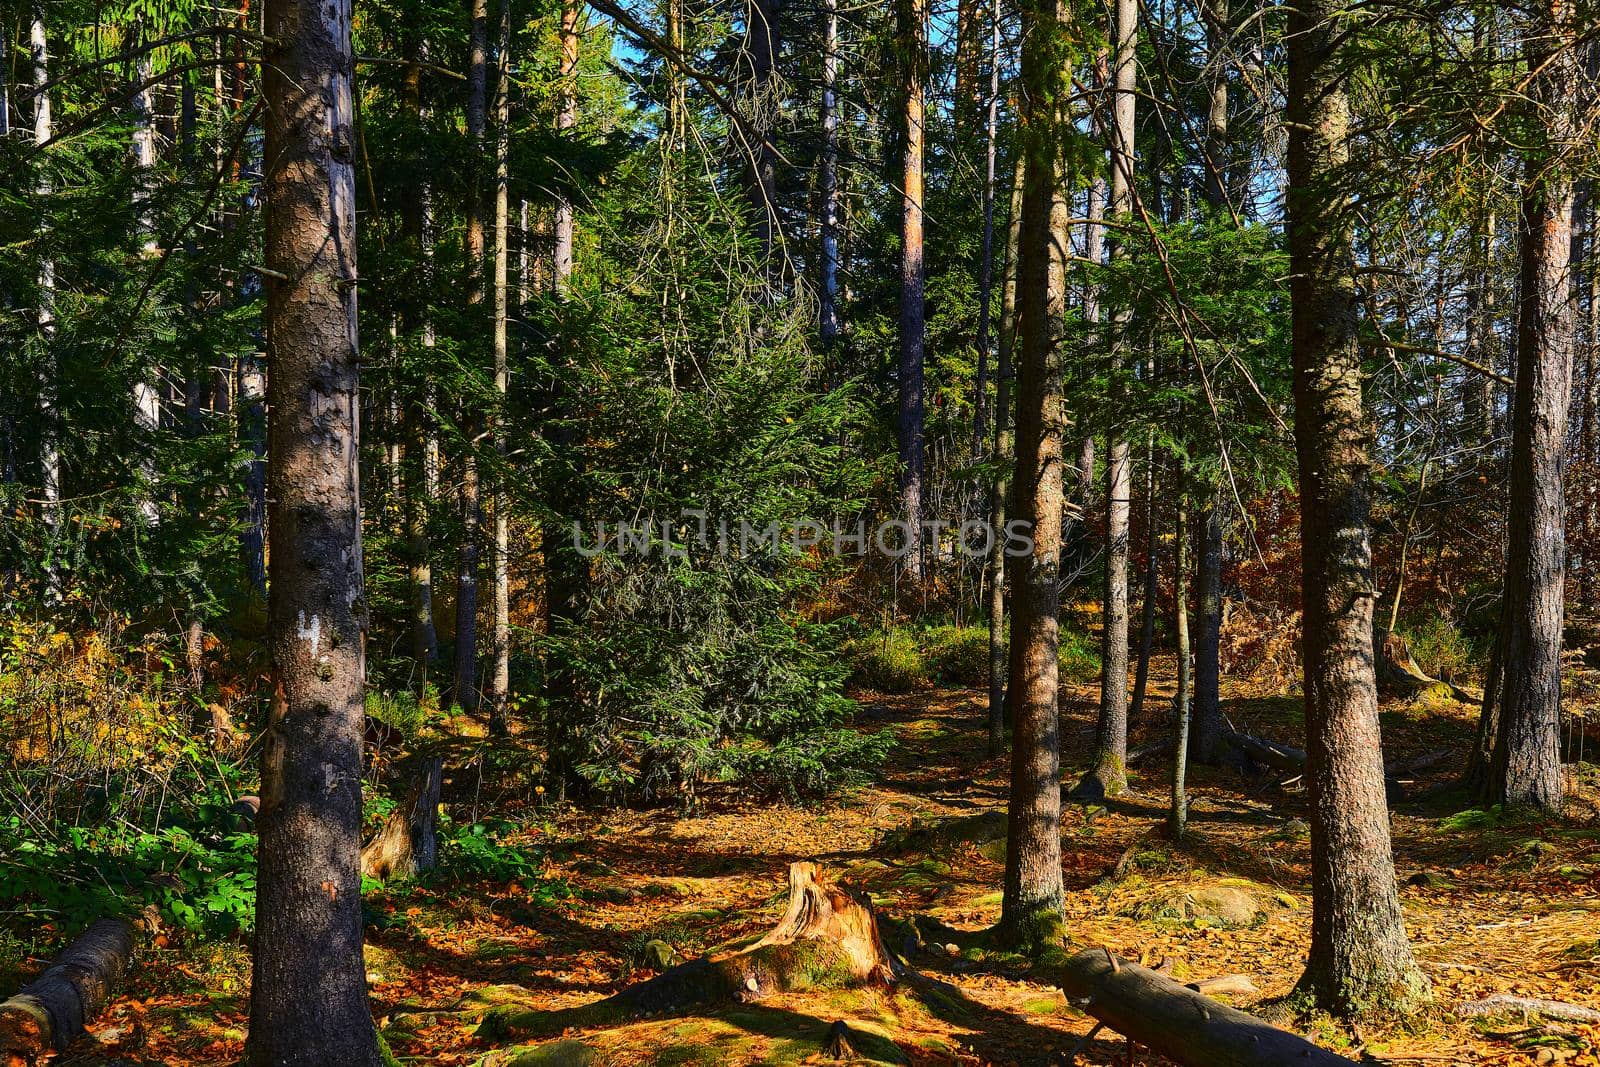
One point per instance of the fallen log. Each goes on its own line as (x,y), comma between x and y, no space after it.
(408,841)
(1284,757)
(1506,1004)
(52,1011)
(827,938)
(1178,1022)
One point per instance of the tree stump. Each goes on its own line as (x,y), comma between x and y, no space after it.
(407,843)
(827,939)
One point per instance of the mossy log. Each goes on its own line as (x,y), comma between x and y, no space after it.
(1400,675)
(1178,1022)
(407,843)
(51,1012)
(827,939)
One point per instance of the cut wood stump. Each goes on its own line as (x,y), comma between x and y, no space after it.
(51,1012)
(827,939)
(408,842)
(1178,1022)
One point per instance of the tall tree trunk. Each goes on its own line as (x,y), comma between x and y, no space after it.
(1359,960)
(422,476)
(1477,394)
(1147,606)
(1525,750)
(828,178)
(308,992)
(566,572)
(49,415)
(1179,816)
(1206,731)
(1031,904)
(986,263)
(500,590)
(146,394)
(1094,250)
(566,119)
(465,686)
(761,166)
(999,494)
(912,17)
(1109,775)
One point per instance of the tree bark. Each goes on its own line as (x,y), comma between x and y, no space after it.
(408,842)
(1109,775)
(1147,607)
(763,106)
(50,1013)
(1206,740)
(1031,904)
(308,995)
(566,572)
(465,685)
(1000,492)
(1359,961)
(1180,616)
(828,179)
(422,476)
(986,253)
(912,18)
(45,316)
(1180,1023)
(500,588)
(1525,746)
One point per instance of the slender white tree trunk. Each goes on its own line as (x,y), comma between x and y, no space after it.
(500,593)
(50,433)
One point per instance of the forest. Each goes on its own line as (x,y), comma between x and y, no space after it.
(696,532)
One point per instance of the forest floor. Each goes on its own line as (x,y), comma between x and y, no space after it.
(1492,905)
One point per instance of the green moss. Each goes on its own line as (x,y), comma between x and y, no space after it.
(565,1053)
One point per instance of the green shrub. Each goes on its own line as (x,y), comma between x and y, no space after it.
(957,655)
(400,710)
(890,661)
(1441,649)
(1078,653)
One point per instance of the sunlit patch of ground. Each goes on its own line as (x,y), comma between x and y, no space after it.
(1492,905)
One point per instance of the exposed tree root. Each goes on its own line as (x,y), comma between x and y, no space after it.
(1506,1004)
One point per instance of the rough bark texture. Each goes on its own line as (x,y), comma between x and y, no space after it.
(1000,493)
(566,572)
(1180,614)
(464,687)
(1206,729)
(828,179)
(1359,960)
(1180,1023)
(50,1012)
(1524,746)
(1109,775)
(308,995)
(912,16)
(408,841)
(566,119)
(45,316)
(827,938)
(500,550)
(762,108)
(1031,906)
(1206,743)
(980,407)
